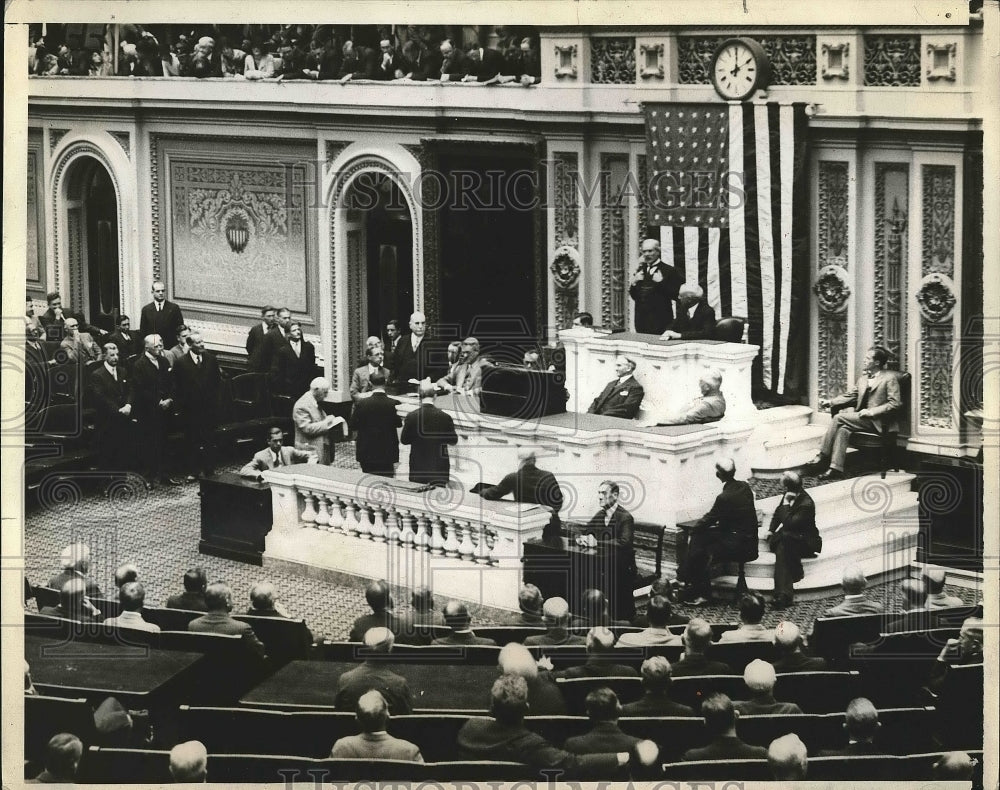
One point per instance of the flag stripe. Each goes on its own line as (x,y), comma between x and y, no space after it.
(787,157)
(725,276)
(777,230)
(691,258)
(679,257)
(737,213)
(714,291)
(762,150)
(751,233)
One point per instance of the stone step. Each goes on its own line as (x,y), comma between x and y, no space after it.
(783,417)
(791,448)
(862,495)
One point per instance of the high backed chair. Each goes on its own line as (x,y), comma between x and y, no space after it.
(729,329)
(885,442)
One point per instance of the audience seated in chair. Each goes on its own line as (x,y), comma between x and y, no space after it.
(556,614)
(75,562)
(458,619)
(374,674)
(374,742)
(750,630)
(788,646)
(62,758)
(697,638)
(380,600)
(424,613)
(126,573)
(720,723)
(189,762)
(529,601)
(862,725)
(601,658)
(934,579)
(217,620)
(193,597)
(964,651)
(953,767)
(912,593)
(759,677)
(655,701)
(658,613)
(854,583)
(544,697)
(663,587)
(73,604)
(787,758)
(132,596)
(596,611)
(603,710)
(505,737)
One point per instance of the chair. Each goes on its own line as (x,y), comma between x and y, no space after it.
(556,729)
(885,442)
(109,607)
(47,716)
(354,770)
(959,707)
(832,636)
(504,634)
(818,692)
(720,770)
(263,768)
(170,619)
(45,596)
(856,768)
(575,690)
(729,330)
(738,654)
(434,733)
(693,690)
(101,765)
(674,735)
(481,771)
(740,564)
(285,639)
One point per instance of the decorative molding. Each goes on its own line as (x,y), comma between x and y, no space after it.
(565,270)
(34,272)
(833,259)
(55,135)
(832,289)
(832,356)
(125,141)
(890,264)
(892,61)
(154,204)
(614,245)
(565,217)
(835,61)
(792,58)
(612,60)
(651,58)
(640,164)
(936,297)
(332,149)
(936,373)
(938,219)
(430,289)
(833,212)
(566,61)
(941,61)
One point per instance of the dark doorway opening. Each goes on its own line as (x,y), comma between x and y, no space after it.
(389,256)
(102,250)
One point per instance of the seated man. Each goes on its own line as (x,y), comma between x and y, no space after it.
(912,593)
(953,767)
(720,723)
(664,588)
(467,376)
(457,617)
(557,619)
(373,673)
(79,346)
(622,397)
(603,710)
(75,562)
(128,572)
(193,597)
(613,528)
(934,579)
(658,613)
(380,600)
(132,596)
(751,614)
(544,696)
(697,638)
(966,650)
(788,647)
(275,456)
(655,701)
(710,407)
(853,583)
(695,319)
(862,725)
(533,485)
(787,758)
(792,536)
(189,762)
(62,758)
(73,604)
(505,738)
(875,398)
(728,532)
(219,600)
(374,742)
(601,659)
(529,601)
(595,611)
(759,677)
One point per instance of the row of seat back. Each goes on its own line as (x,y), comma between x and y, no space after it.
(896,666)
(833,637)
(46,716)
(959,707)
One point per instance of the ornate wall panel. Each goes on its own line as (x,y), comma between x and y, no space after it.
(891,220)
(55,135)
(936,296)
(334,148)
(643,179)
(831,286)
(565,271)
(793,58)
(614,239)
(612,60)
(35,236)
(892,61)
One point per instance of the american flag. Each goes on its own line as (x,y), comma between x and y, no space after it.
(728,201)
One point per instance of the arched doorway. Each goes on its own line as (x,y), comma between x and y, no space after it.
(379,236)
(91,207)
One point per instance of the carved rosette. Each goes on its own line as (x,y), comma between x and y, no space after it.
(832,289)
(565,269)
(936,297)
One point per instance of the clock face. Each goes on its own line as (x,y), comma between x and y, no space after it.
(737,71)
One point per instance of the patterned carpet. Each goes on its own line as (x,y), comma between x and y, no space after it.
(159,531)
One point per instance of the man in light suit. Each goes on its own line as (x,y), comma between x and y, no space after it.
(293,365)
(361,386)
(623,395)
(375,420)
(274,456)
(710,407)
(853,583)
(876,400)
(429,431)
(109,391)
(467,375)
(255,338)
(374,742)
(792,536)
(313,428)
(614,528)
(695,318)
(78,346)
(161,317)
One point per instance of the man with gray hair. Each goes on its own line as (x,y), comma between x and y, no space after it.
(787,758)
(557,618)
(654,288)
(710,406)
(788,648)
(411,361)
(854,583)
(467,376)
(760,677)
(862,725)
(600,658)
(695,317)
(623,395)
(75,563)
(544,696)
(374,742)
(219,601)
(313,427)
(373,673)
(189,762)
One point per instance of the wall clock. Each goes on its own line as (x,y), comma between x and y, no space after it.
(739,68)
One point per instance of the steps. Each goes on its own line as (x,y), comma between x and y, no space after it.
(784,439)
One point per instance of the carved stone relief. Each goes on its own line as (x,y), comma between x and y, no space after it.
(892,61)
(612,60)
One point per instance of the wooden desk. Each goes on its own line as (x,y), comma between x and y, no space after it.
(235,517)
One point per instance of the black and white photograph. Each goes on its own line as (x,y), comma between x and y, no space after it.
(608,394)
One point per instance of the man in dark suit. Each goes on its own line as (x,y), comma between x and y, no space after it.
(862,726)
(697,640)
(720,722)
(73,604)
(276,338)
(533,485)
(458,619)
(379,598)
(622,397)
(255,339)
(361,383)
(484,65)
(656,678)
(198,382)
(613,528)
(603,710)
(53,320)
(129,343)
(728,532)
(876,401)
(152,399)
(374,742)
(555,612)
(412,357)
(389,63)
(454,63)
(36,371)
(429,431)
(544,696)
(161,317)
(375,420)
(788,648)
(193,597)
(601,659)
(374,674)
(293,364)
(695,318)
(109,391)
(792,536)
(219,602)
(654,288)
(274,456)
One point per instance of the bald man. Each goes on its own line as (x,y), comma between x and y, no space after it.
(555,612)
(373,673)
(791,536)
(623,395)
(189,762)
(315,430)
(695,318)
(787,758)
(862,725)
(654,288)
(710,406)
(760,677)
(788,648)
(854,583)
(411,361)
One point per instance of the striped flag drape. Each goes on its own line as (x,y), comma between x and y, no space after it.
(728,193)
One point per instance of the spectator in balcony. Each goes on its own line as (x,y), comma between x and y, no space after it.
(374,742)
(759,677)
(788,647)
(458,619)
(853,582)
(73,604)
(544,696)
(656,679)
(75,562)
(373,674)
(206,51)
(557,619)
(193,597)
(189,762)
(230,60)
(601,658)
(169,61)
(259,64)
(62,757)
(720,723)
(78,346)
(454,64)
(358,63)
(379,599)
(697,638)
(148,62)
(751,614)
(658,613)
(787,758)
(937,598)
(46,62)
(415,63)
(132,596)
(98,65)
(485,65)
(603,710)
(219,601)
(528,65)
(389,61)
(321,62)
(862,726)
